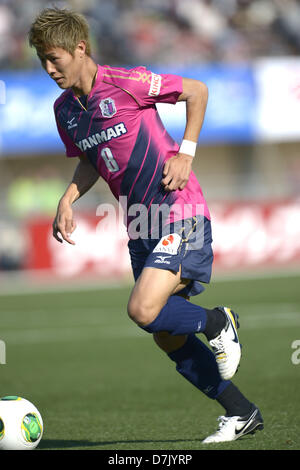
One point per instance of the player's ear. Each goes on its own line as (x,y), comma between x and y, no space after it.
(81,48)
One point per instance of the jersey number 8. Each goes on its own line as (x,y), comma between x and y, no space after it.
(109,160)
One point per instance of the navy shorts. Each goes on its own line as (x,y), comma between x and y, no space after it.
(185,244)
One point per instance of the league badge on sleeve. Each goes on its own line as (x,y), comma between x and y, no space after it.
(108,107)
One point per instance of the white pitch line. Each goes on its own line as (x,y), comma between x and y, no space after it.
(19,289)
(255,274)
(29,289)
(79,333)
(14,284)
(82,333)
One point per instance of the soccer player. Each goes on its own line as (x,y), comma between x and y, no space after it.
(107,118)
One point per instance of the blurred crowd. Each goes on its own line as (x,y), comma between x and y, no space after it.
(131,32)
(168,31)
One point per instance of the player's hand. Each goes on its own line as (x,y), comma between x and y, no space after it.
(176,172)
(63,224)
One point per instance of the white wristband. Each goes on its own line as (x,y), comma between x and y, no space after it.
(188,147)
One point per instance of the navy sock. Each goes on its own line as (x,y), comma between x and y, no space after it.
(195,361)
(179,317)
(234,402)
(216,321)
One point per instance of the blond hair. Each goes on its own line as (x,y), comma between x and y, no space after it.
(63,28)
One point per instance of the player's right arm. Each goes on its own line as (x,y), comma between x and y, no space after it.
(84,178)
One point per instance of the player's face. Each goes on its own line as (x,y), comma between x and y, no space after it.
(63,67)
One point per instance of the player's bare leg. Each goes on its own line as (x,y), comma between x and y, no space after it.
(151,292)
(194,360)
(154,308)
(159,284)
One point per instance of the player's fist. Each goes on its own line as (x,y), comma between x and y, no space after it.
(176,172)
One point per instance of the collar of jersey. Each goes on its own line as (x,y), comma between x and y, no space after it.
(97,80)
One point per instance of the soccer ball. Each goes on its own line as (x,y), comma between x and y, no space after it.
(21,425)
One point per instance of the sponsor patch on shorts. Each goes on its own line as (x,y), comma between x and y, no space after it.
(168,244)
(160,259)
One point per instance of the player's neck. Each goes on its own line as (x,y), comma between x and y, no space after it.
(87,78)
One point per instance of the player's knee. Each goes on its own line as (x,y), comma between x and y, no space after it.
(141,312)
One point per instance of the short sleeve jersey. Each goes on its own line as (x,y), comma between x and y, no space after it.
(122,135)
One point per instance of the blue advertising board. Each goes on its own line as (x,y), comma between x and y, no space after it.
(27,123)
(231,108)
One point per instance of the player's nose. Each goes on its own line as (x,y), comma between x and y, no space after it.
(49,67)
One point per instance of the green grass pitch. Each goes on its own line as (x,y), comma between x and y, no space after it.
(101,383)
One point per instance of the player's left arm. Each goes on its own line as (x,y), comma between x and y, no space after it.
(178,168)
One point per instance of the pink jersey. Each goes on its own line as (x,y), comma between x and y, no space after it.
(122,135)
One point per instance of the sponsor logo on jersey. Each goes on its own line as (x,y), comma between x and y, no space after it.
(100,137)
(155,85)
(71,123)
(108,107)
